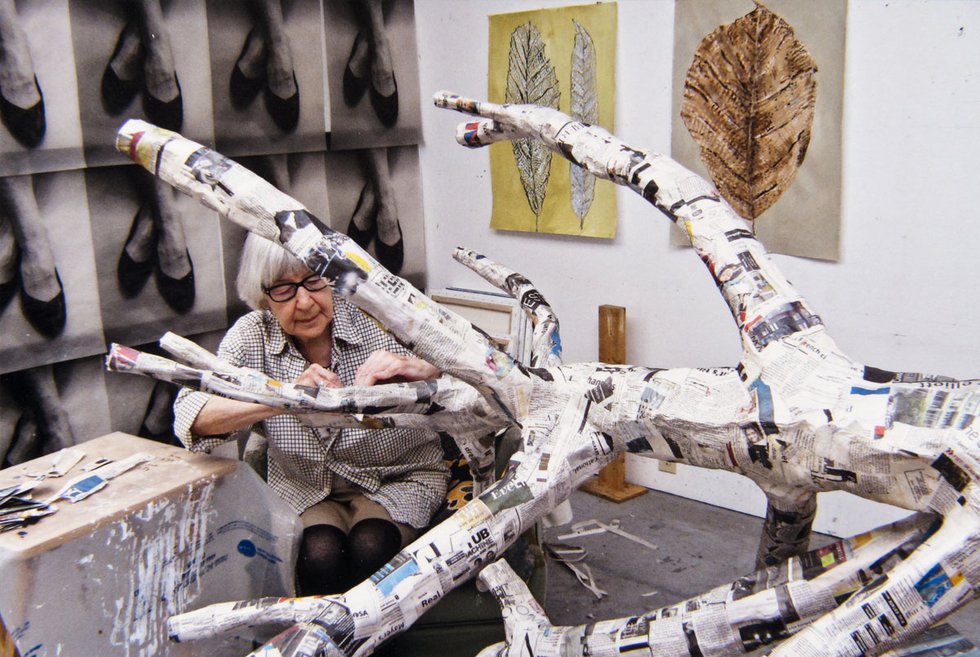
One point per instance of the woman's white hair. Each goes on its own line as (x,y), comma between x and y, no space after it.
(263,263)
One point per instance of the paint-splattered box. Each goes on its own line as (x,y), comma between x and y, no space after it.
(180,531)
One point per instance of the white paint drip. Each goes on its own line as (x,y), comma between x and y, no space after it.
(163,546)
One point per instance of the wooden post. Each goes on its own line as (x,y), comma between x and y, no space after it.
(611,482)
(7,646)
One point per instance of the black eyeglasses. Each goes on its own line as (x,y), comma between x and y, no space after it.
(286,291)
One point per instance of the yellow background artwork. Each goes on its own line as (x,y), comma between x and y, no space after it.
(511,209)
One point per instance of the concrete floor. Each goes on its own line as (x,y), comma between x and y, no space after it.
(699,547)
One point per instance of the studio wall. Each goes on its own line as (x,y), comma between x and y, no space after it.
(899,298)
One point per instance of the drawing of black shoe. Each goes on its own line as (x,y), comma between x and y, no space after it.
(354,86)
(26,125)
(391,256)
(132,275)
(284,111)
(118,93)
(242,88)
(166,114)
(386,107)
(362,236)
(177,292)
(47,317)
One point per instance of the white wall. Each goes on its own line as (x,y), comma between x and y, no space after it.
(902,295)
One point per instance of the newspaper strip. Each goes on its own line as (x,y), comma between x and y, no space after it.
(18,507)
(545,340)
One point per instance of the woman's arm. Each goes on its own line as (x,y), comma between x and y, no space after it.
(220,416)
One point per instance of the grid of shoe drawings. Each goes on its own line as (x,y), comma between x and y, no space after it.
(95,250)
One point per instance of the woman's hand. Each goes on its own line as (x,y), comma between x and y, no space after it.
(318,376)
(385,366)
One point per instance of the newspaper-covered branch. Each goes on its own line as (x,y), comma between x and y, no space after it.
(797,416)
(740,616)
(443,404)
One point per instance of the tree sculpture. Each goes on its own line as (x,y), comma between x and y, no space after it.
(796,415)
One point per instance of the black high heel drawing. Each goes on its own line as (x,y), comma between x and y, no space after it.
(166,114)
(242,88)
(26,125)
(47,317)
(118,93)
(177,292)
(392,256)
(132,275)
(386,107)
(354,85)
(363,236)
(284,111)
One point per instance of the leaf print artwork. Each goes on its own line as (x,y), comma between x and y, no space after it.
(531,79)
(749,103)
(562,58)
(585,108)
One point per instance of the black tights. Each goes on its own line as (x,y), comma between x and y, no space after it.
(332,562)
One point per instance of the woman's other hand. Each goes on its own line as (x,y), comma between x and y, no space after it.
(386,366)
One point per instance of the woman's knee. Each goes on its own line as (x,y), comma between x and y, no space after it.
(322,564)
(372,543)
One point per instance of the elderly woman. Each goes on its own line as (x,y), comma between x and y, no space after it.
(362,495)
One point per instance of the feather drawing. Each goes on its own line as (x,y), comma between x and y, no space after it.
(749,101)
(585,108)
(531,79)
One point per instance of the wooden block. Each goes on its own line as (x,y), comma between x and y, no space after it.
(611,482)
(7,647)
(612,334)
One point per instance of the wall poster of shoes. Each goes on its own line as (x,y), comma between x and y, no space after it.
(158,268)
(320,97)
(39,93)
(375,200)
(125,74)
(267,77)
(372,60)
(49,299)
(46,408)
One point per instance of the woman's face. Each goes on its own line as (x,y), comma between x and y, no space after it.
(307,315)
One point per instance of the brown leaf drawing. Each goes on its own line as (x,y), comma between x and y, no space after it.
(749,100)
(531,79)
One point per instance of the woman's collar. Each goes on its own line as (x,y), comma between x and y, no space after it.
(345,320)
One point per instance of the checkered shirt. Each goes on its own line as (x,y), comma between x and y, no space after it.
(401,469)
